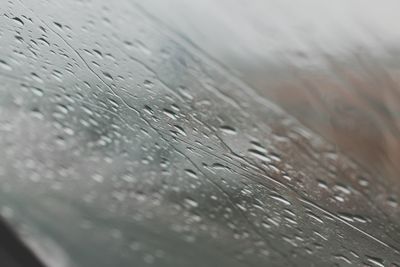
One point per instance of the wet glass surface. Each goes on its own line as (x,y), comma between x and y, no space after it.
(143,134)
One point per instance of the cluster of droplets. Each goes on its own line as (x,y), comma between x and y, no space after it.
(151,137)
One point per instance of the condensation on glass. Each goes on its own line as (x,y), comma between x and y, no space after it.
(126,143)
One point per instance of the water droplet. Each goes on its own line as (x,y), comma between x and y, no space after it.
(36,77)
(281,199)
(108,76)
(184,92)
(343,258)
(148,84)
(44,41)
(98,53)
(4,65)
(228,129)
(170,114)
(191,173)
(98,177)
(191,203)
(18,20)
(58,25)
(180,130)
(37,113)
(376,261)
(259,154)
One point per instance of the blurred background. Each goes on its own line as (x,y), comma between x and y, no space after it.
(334,65)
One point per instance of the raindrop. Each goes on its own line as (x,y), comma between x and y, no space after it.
(18,20)
(36,77)
(108,76)
(98,53)
(376,261)
(281,199)
(98,177)
(170,114)
(149,259)
(184,92)
(4,65)
(37,113)
(191,203)
(259,154)
(392,202)
(44,41)
(58,25)
(228,129)
(148,84)
(57,75)
(343,258)
(180,130)
(191,173)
